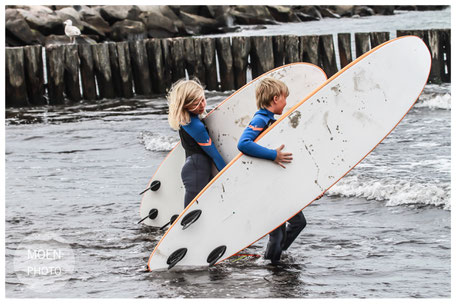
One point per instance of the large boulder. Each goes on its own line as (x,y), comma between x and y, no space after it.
(342,10)
(196,25)
(222,14)
(329,13)
(158,25)
(383,9)
(154,19)
(68,13)
(86,11)
(11,14)
(93,18)
(128,30)
(94,25)
(58,7)
(283,13)
(114,13)
(18,32)
(308,12)
(42,19)
(166,12)
(190,9)
(91,30)
(363,11)
(134,13)
(252,14)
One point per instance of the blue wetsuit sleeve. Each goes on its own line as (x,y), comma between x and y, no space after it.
(198,132)
(247,145)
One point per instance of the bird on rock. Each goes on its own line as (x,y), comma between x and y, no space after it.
(71,31)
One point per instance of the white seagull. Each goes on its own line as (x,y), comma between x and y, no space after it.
(71,31)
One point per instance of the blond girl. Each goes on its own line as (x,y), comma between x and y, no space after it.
(187,103)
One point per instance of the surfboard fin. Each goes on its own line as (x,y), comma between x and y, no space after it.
(171,221)
(190,218)
(152,215)
(175,257)
(215,255)
(154,186)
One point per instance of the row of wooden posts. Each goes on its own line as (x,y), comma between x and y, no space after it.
(145,67)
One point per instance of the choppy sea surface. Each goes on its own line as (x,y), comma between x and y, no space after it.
(76,171)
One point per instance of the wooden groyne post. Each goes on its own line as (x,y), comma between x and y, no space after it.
(241,50)
(210,64)
(345,52)
(140,67)
(71,73)
(89,90)
(145,67)
(55,56)
(261,55)
(226,65)
(34,78)
(103,71)
(156,65)
(16,89)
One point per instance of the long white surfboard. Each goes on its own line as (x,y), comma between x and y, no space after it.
(329,133)
(165,197)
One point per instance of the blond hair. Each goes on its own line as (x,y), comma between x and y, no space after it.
(183,92)
(267,88)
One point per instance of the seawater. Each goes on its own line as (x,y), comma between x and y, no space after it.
(76,171)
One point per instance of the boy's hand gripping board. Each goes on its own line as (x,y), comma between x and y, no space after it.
(165,195)
(329,133)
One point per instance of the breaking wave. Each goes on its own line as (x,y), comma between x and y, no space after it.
(435,97)
(394,192)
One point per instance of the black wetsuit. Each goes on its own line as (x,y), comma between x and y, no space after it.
(200,152)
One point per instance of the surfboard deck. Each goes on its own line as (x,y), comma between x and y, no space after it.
(225,124)
(329,133)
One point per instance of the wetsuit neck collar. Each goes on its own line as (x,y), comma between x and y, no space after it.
(267,113)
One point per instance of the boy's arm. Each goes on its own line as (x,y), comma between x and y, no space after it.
(199,133)
(247,145)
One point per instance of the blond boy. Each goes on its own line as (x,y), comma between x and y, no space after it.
(271,98)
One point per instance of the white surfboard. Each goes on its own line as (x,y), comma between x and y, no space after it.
(329,133)
(225,124)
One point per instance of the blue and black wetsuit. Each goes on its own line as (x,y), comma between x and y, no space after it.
(200,153)
(260,122)
(281,238)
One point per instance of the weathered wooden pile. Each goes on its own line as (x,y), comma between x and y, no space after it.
(73,73)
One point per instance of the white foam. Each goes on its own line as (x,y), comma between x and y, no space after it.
(394,192)
(157,142)
(435,101)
